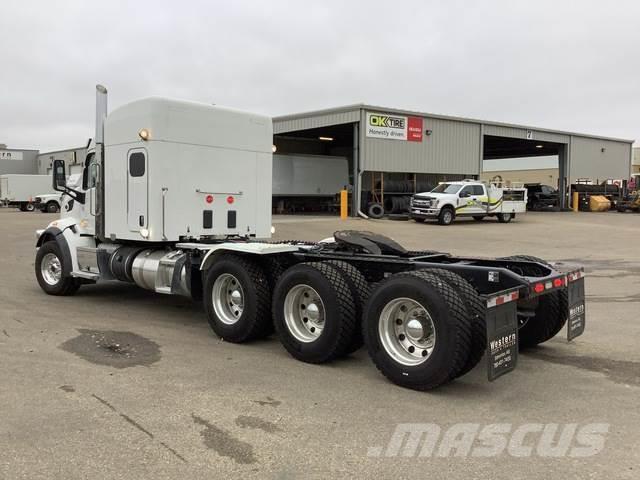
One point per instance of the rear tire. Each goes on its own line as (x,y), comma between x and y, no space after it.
(550,315)
(477,311)
(360,291)
(237,300)
(417,330)
(447,216)
(505,217)
(49,268)
(314,312)
(29,207)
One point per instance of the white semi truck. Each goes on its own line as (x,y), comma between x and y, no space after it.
(19,191)
(469,198)
(175,198)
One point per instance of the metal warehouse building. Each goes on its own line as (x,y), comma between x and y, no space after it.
(384,143)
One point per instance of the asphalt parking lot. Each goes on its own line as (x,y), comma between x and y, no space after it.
(170,400)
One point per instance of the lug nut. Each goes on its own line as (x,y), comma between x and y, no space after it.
(398,321)
(401,337)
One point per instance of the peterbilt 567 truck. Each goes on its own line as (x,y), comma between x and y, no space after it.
(175,198)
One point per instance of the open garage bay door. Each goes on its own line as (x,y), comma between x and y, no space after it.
(498,147)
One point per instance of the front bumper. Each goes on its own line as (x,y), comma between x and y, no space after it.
(423,212)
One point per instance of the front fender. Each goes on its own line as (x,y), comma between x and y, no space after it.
(54,234)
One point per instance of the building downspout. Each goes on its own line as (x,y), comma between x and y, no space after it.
(357,173)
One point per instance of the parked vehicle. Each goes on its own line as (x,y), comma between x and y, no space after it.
(629,204)
(48,203)
(53,202)
(468,198)
(541,197)
(172,200)
(17,190)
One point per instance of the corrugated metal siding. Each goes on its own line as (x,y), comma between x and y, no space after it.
(589,161)
(453,147)
(295,124)
(511,132)
(27,165)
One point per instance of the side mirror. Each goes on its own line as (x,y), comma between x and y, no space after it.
(59,175)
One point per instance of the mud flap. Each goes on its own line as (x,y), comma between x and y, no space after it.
(502,339)
(576,321)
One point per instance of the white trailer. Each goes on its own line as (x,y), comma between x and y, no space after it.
(308,182)
(175,198)
(309,175)
(20,191)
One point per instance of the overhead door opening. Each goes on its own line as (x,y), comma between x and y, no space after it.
(540,165)
(310,167)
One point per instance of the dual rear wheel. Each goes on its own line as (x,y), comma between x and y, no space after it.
(421,328)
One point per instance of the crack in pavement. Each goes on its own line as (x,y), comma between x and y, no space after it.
(131,421)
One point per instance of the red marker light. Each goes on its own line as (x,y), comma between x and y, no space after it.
(209,198)
(230,199)
(557,282)
(538,287)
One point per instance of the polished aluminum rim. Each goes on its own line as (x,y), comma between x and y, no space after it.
(228,298)
(304,313)
(51,269)
(406,331)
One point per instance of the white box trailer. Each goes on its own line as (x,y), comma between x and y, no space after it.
(20,191)
(309,175)
(175,193)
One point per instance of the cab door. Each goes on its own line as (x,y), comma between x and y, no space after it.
(471,200)
(137,189)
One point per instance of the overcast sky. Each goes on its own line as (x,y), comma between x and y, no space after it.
(570,65)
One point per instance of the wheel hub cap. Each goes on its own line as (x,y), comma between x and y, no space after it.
(304,313)
(406,331)
(228,298)
(51,269)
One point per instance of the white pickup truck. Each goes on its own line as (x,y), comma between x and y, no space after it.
(468,198)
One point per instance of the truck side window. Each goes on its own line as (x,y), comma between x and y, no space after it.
(88,173)
(468,190)
(136,164)
(478,190)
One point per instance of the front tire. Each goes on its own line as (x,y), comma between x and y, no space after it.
(447,216)
(237,300)
(52,207)
(49,268)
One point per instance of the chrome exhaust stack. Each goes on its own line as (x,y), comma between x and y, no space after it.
(101,113)
(101,116)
